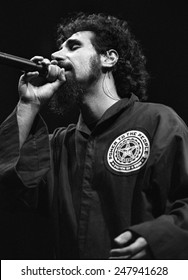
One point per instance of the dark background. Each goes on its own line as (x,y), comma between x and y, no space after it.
(28,27)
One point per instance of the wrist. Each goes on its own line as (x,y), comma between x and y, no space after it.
(26,114)
(26,101)
(26,104)
(27,109)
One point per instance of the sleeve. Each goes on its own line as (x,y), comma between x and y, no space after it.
(167,233)
(21,171)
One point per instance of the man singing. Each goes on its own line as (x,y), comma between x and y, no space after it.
(117,181)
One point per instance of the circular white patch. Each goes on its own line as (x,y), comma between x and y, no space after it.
(129,151)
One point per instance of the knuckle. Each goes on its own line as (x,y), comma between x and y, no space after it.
(46,61)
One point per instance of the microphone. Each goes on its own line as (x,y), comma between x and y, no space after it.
(50,72)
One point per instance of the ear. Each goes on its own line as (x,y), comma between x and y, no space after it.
(109,59)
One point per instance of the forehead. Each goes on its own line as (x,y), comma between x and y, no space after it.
(83,36)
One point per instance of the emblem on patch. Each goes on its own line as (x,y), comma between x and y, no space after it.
(129,151)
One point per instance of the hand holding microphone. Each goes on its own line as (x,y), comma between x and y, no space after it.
(38,86)
(38,63)
(41,79)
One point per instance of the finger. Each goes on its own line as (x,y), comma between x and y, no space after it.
(120,258)
(37,58)
(125,251)
(29,76)
(142,255)
(139,256)
(61,75)
(123,238)
(132,249)
(54,62)
(46,61)
(54,73)
(53,86)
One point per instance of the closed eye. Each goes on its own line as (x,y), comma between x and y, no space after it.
(74,47)
(73,44)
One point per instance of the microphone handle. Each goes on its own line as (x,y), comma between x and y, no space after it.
(22,64)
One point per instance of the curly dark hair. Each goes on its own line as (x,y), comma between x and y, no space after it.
(129,73)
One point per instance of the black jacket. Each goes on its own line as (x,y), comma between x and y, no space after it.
(129,173)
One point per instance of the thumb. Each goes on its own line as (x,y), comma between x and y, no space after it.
(54,73)
(123,238)
(61,79)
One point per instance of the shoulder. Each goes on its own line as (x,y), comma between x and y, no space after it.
(156,108)
(160,118)
(161,112)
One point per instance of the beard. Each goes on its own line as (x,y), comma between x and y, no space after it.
(72,92)
(66,97)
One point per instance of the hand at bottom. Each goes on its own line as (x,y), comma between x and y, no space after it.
(129,247)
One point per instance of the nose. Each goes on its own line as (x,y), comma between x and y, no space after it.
(58,55)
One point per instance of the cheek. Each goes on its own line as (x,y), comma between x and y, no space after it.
(83,65)
(82,68)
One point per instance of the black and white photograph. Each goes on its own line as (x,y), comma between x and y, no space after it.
(93,130)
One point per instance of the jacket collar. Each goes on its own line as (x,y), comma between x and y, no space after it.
(110,112)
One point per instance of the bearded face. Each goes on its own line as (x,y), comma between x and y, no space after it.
(76,86)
